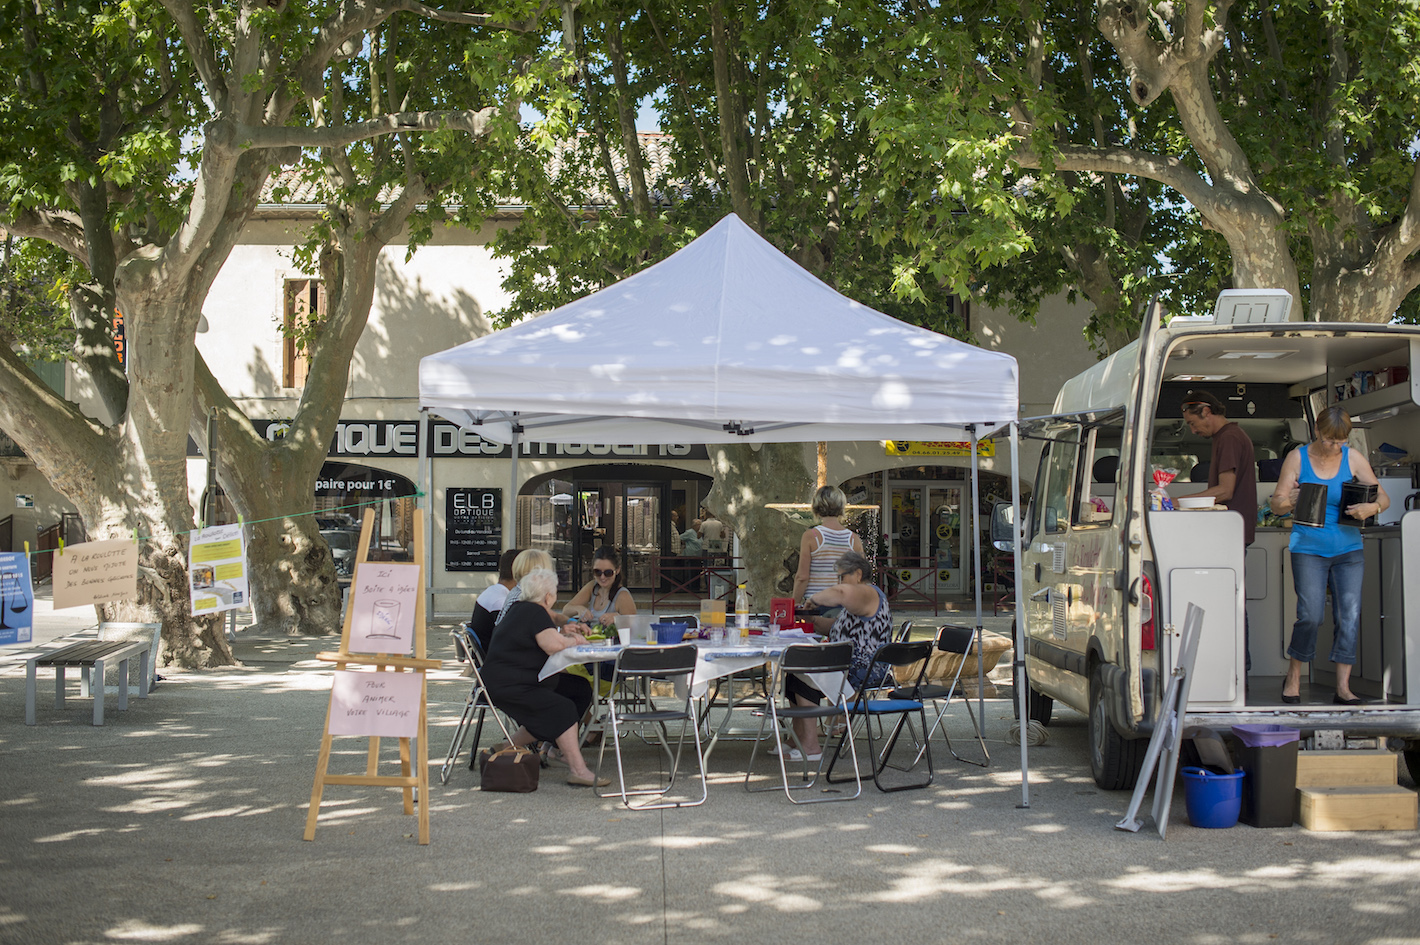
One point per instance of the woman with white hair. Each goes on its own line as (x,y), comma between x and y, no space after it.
(547,710)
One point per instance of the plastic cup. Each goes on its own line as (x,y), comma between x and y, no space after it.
(624,635)
(717,636)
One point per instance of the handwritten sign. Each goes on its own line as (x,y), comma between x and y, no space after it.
(95,573)
(218,570)
(17,598)
(380,704)
(382,599)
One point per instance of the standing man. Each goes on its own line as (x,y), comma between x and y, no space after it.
(1232,470)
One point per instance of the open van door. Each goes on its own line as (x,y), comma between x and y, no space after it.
(1134,449)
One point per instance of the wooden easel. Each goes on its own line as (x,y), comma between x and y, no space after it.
(382,663)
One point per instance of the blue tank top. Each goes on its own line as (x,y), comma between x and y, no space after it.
(1333,538)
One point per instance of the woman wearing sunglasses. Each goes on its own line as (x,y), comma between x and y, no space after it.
(604,596)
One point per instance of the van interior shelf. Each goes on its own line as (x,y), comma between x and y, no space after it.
(1396,395)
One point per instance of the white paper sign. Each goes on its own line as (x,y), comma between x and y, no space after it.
(217,568)
(382,599)
(381,704)
(96,572)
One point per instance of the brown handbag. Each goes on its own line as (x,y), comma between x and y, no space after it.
(511,771)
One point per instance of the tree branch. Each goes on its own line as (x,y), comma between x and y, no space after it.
(467,19)
(204,56)
(474,122)
(1169,171)
(60,227)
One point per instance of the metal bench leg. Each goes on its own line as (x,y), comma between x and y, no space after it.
(98,692)
(122,684)
(145,663)
(30,690)
(84,683)
(59,687)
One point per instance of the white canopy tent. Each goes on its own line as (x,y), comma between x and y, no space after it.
(727,340)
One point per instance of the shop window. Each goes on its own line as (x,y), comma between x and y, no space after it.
(305,307)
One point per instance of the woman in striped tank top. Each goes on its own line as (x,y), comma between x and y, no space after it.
(822,545)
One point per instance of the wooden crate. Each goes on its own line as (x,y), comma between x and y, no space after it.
(1346,768)
(1356,808)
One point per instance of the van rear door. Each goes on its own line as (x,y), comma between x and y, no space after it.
(1134,453)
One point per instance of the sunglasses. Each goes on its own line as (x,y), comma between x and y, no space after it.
(600,573)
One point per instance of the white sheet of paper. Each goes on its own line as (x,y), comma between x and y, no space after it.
(96,572)
(382,600)
(381,704)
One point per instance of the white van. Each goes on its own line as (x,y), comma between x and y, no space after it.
(1105,577)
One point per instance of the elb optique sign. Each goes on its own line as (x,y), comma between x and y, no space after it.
(473,529)
(401,438)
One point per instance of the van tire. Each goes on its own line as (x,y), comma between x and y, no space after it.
(1114,760)
(1039,707)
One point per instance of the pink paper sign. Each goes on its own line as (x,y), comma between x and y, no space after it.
(382,600)
(380,704)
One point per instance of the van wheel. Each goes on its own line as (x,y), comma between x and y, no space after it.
(1114,760)
(1038,706)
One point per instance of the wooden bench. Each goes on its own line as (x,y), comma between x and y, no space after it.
(90,656)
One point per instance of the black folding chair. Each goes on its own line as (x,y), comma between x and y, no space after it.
(804,659)
(950,639)
(637,666)
(888,656)
(468,650)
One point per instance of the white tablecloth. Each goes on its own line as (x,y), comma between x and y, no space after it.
(713,662)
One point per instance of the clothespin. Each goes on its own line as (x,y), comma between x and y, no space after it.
(135,535)
(27,549)
(61,547)
(241,521)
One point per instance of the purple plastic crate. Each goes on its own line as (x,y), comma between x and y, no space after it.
(1265,736)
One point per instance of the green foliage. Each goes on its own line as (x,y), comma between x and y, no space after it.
(34,312)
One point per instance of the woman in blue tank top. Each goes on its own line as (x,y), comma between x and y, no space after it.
(1329,555)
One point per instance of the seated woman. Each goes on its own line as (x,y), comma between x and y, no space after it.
(548,710)
(864,620)
(604,596)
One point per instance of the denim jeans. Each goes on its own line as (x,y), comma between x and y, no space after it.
(1312,575)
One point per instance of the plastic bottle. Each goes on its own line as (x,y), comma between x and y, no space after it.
(742,611)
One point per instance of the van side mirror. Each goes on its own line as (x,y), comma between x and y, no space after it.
(1003,526)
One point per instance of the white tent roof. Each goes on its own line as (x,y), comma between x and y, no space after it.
(728,340)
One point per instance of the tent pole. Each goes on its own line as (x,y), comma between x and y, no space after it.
(975,519)
(1020,641)
(426,475)
(513,491)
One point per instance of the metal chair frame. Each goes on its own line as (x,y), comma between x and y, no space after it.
(808,658)
(959,640)
(467,647)
(641,664)
(889,655)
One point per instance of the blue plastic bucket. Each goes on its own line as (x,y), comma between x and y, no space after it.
(669,633)
(1213,800)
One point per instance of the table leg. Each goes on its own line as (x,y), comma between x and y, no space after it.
(98,692)
(30,690)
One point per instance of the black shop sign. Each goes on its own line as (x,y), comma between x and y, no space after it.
(473,529)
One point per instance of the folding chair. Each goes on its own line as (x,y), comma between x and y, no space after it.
(468,650)
(807,658)
(637,666)
(950,639)
(889,655)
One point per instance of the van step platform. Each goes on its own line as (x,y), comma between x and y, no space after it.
(1346,768)
(1381,807)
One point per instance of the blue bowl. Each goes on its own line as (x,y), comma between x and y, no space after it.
(669,633)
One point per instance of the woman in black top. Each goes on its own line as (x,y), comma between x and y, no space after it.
(547,710)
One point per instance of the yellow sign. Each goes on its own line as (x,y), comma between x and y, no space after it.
(949,448)
(216,551)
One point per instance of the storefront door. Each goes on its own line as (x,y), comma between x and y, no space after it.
(927,545)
